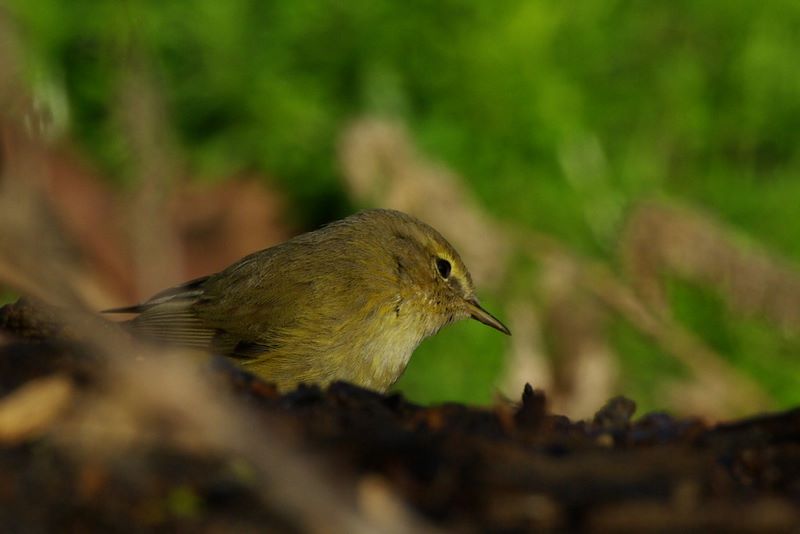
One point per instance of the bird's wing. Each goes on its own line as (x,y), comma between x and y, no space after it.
(217,312)
(246,310)
(254,300)
(168,317)
(174,323)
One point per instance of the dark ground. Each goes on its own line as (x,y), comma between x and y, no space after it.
(506,468)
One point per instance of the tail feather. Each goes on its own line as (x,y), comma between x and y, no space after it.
(188,292)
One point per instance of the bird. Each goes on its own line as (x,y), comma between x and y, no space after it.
(350,301)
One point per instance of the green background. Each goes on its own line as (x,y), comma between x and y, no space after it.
(697,102)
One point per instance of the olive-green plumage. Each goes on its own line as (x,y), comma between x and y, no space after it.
(350,301)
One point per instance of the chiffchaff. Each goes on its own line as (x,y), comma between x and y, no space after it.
(350,301)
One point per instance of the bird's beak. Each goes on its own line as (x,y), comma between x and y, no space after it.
(479,314)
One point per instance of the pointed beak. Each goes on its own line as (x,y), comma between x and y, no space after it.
(479,314)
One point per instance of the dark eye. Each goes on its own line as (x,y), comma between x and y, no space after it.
(444,267)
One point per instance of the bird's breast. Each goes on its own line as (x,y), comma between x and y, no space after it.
(394,335)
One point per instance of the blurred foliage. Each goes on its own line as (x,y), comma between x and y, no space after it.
(559,114)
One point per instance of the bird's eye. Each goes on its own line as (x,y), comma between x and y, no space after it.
(444,267)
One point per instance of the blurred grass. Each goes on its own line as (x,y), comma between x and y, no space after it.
(559,115)
(753,345)
(646,370)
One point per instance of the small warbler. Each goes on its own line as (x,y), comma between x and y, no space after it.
(350,301)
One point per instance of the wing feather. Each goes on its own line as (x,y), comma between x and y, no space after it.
(168,316)
(174,323)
